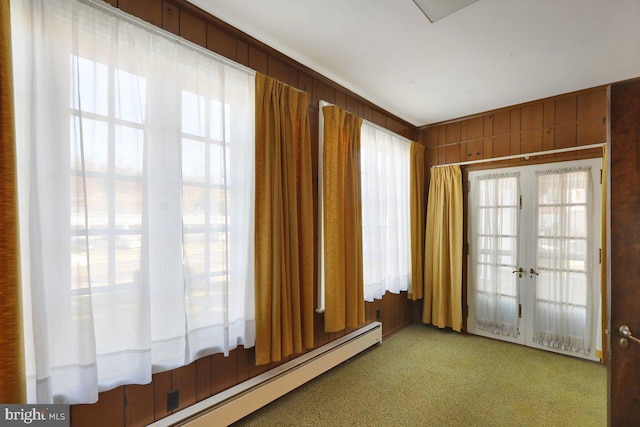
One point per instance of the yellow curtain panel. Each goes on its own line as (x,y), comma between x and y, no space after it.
(443,250)
(12,383)
(342,203)
(284,222)
(417,212)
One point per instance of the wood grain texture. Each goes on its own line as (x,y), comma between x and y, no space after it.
(147,10)
(501,146)
(566,136)
(453,132)
(474,150)
(170,17)
(321,337)
(472,128)
(138,405)
(203,378)
(563,121)
(379,119)
(514,129)
(258,60)
(322,92)
(515,144)
(531,117)
(566,109)
(220,42)
(501,123)
(367,113)
(625,251)
(487,148)
(224,371)
(184,380)
(487,125)
(107,412)
(453,153)
(278,69)
(531,140)
(548,113)
(242,364)
(242,53)
(592,118)
(162,385)
(193,28)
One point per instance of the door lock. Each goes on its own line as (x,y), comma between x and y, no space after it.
(626,334)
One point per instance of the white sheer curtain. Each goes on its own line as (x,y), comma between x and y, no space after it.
(563,296)
(495,256)
(386,244)
(135,174)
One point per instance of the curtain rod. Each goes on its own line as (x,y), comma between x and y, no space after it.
(524,155)
(134,20)
(327,104)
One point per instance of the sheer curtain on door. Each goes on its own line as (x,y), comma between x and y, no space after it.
(563,291)
(135,179)
(495,256)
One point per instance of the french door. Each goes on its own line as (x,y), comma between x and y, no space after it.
(534,272)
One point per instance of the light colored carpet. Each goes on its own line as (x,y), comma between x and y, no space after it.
(423,376)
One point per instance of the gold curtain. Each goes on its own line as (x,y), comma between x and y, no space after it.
(603,265)
(284,222)
(12,379)
(417,212)
(443,250)
(344,289)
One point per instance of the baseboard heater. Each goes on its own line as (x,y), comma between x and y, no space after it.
(239,401)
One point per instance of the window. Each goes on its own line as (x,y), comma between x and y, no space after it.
(107,142)
(217,212)
(205,161)
(385,188)
(497,220)
(563,316)
(136,181)
(386,243)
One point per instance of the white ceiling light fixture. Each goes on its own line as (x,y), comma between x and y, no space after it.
(435,10)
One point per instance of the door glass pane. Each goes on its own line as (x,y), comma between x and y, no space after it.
(562,297)
(496,254)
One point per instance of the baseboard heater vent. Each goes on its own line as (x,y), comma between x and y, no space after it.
(239,401)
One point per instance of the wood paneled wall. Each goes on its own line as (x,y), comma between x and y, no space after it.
(563,121)
(138,405)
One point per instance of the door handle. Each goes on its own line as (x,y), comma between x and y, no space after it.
(532,272)
(519,271)
(626,334)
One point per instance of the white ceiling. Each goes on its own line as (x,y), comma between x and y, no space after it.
(492,54)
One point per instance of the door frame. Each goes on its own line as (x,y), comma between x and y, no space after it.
(527,253)
(623,251)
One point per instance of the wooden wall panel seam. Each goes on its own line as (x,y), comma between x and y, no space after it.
(518,106)
(543,129)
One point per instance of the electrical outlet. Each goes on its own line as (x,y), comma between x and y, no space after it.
(173,400)
(378,314)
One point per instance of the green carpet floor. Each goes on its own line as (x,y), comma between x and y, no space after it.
(422,376)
